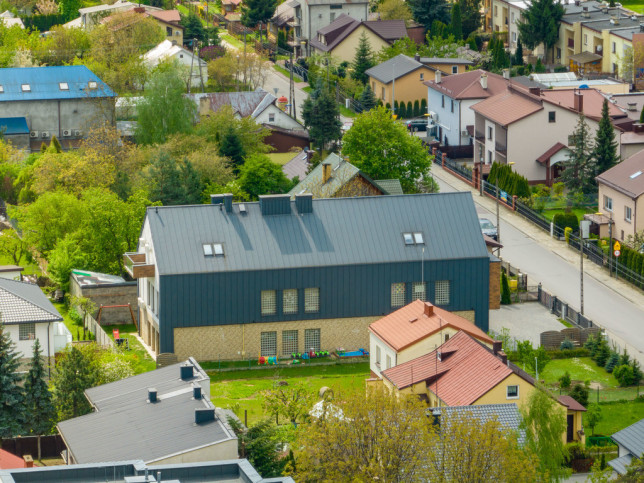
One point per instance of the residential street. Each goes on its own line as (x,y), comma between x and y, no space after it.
(608,302)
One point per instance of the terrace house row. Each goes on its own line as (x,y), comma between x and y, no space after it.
(237,280)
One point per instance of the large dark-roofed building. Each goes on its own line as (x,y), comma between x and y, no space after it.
(277,277)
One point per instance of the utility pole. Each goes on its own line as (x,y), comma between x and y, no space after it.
(291,89)
(581,274)
(203,88)
(192,61)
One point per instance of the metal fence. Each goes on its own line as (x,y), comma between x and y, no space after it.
(563,310)
(458,168)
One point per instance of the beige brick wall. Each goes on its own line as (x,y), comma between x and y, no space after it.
(495,285)
(229,342)
(466,314)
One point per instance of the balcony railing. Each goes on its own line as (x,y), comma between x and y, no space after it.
(499,148)
(137,266)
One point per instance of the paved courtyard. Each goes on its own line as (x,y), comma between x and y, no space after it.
(525,321)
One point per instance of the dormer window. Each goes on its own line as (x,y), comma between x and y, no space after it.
(26,88)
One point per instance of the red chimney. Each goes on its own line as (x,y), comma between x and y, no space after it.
(497,346)
(429,309)
(579,102)
(535,91)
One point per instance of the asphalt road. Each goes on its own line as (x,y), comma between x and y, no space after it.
(607,302)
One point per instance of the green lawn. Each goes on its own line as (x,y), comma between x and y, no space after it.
(580,369)
(635,5)
(238,44)
(141,360)
(240,390)
(347,112)
(69,323)
(30,268)
(580,212)
(286,73)
(307,89)
(617,416)
(281,158)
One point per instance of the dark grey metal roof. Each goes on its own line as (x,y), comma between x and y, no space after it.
(620,464)
(507,415)
(25,303)
(126,424)
(631,438)
(394,68)
(339,231)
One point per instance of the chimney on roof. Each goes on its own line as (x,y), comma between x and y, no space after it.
(632,106)
(503,356)
(437,76)
(187,371)
(417,57)
(638,128)
(429,309)
(536,91)
(484,81)
(506,74)
(228,202)
(204,415)
(497,346)
(584,12)
(275,204)
(579,102)
(152,395)
(196,391)
(217,199)
(29,461)
(326,172)
(304,203)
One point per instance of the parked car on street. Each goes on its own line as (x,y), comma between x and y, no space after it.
(417,125)
(488,228)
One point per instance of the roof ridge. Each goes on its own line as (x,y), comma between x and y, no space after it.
(24,299)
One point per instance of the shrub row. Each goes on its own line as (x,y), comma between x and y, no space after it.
(563,220)
(405,111)
(512,183)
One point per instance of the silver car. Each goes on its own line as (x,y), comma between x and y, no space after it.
(488,228)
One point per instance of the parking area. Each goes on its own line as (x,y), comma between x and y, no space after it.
(524,321)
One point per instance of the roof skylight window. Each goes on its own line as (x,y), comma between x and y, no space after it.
(635,175)
(1,89)
(409,239)
(418,238)
(63,86)
(219,249)
(26,88)
(92,84)
(207,250)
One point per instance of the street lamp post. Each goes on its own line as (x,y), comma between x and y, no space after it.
(498,216)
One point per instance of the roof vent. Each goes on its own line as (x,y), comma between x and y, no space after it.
(152,395)
(187,372)
(439,356)
(275,204)
(196,391)
(632,106)
(204,415)
(411,321)
(304,203)
(242,208)
(228,202)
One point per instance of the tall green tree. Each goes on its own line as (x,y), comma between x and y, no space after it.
(174,183)
(544,422)
(69,8)
(605,146)
(363,60)
(262,445)
(383,149)
(232,148)
(368,99)
(12,415)
(426,11)
(163,109)
(257,11)
(456,25)
(260,176)
(580,168)
(321,117)
(540,24)
(471,16)
(77,369)
(518,54)
(193,29)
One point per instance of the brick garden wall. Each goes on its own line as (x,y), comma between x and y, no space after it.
(110,295)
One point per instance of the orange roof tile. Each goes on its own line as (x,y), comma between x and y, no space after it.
(9,461)
(417,321)
(468,85)
(466,371)
(168,16)
(508,107)
(571,403)
(592,101)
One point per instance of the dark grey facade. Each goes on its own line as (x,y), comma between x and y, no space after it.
(351,249)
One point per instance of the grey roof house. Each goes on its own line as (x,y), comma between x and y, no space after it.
(135,471)
(630,444)
(282,276)
(27,315)
(163,416)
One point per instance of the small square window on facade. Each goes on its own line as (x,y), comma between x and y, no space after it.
(207,250)
(289,342)
(312,340)
(628,213)
(608,203)
(27,331)
(513,392)
(311,300)
(269,302)
(63,86)
(268,343)
(419,291)
(454,69)
(552,116)
(289,301)
(441,292)
(409,238)
(397,294)
(271,117)
(418,238)
(26,88)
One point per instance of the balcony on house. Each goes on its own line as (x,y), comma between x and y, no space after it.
(137,266)
(571,43)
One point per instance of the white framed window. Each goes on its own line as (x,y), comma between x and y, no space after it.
(289,342)
(271,117)
(397,294)
(311,300)
(269,302)
(514,35)
(27,331)
(614,47)
(628,214)
(289,301)
(268,343)
(490,132)
(1,89)
(441,292)
(419,291)
(312,339)
(608,203)
(378,355)
(512,20)
(207,250)
(388,362)
(409,238)
(219,249)
(418,238)
(92,84)
(496,11)
(512,392)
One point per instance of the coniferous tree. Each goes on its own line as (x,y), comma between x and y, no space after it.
(456,25)
(580,167)
(11,393)
(322,118)
(75,371)
(191,183)
(55,145)
(257,11)
(232,148)
(368,99)
(425,12)
(518,54)
(363,60)
(470,17)
(540,23)
(605,145)
(416,108)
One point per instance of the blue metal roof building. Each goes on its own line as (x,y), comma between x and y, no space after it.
(305,262)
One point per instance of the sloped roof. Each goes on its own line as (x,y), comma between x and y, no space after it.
(631,438)
(468,85)
(243,103)
(25,303)
(417,321)
(394,68)
(466,371)
(446,60)
(283,14)
(551,152)
(620,465)
(126,424)
(10,22)
(593,100)
(9,461)
(165,50)
(508,107)
(44,83)
(334,233)
(168,16)
(571,403)
(389,30)
(624,176)
(341,173)
(103,7)
(14,125)
(297,166)
(507,415)
(335,32)
(391,186)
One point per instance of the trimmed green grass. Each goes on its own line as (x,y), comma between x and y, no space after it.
(347,112)
(307,89)
(30,268)
(580,369)
(69,323)
(240,390)
(287,74)
(281,158)
(580,212)
(141,360)
(635,5)
(565,322)
(617,416)
(231,40)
